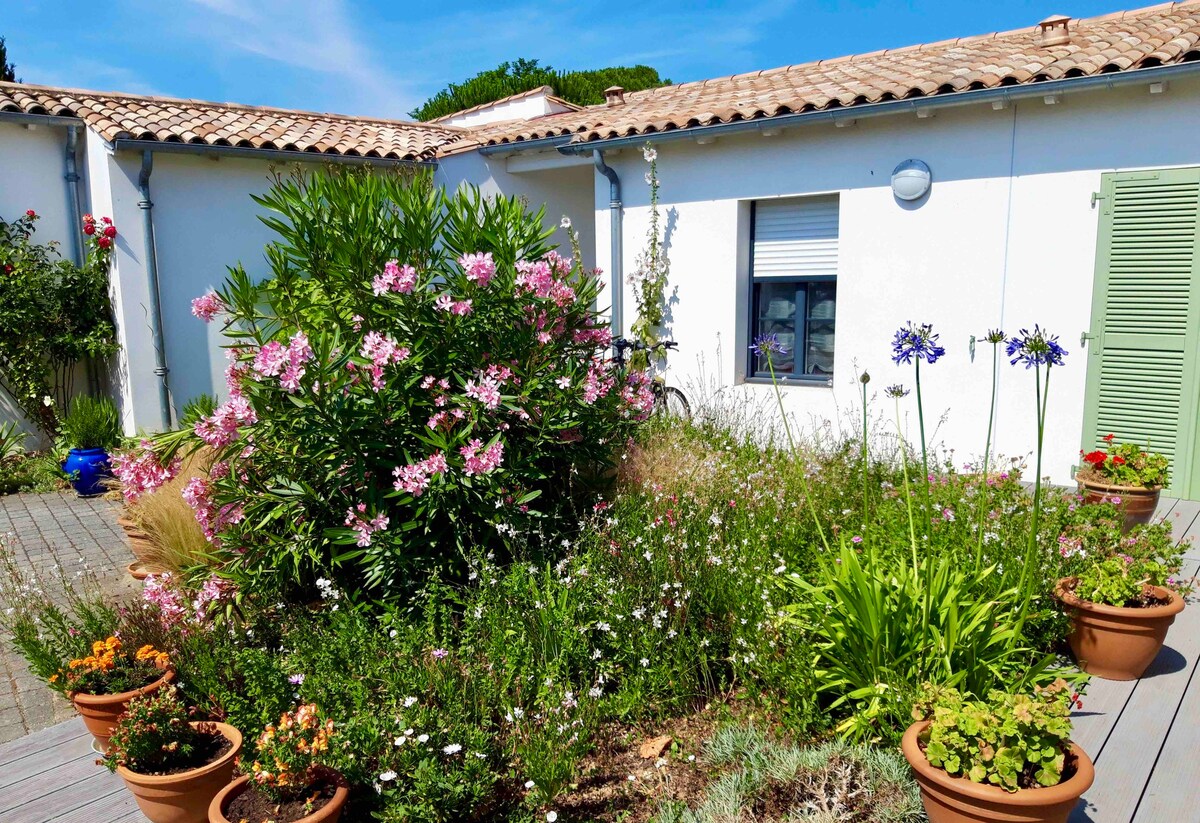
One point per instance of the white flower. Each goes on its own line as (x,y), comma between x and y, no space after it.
(453,748)
(47,401)
(529,784)
(645,662)
(650,154)
(551,816)
(409,702)
(565,222)
(387,776)
(422,738)
(399,741)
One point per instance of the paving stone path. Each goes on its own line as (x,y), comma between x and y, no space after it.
(45,530)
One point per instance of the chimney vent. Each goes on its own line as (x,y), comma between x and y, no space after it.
(614,95)
(1055,30)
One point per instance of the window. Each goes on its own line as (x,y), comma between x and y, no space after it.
(793,273)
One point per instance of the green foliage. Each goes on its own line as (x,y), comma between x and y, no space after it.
(53,315)
(1127,464)
(760,778)
(7,69)
(651,271)
(92,423)
(154,736)
(403,407)
(1149,556)
(1014,741)
(12,441)
(583,88)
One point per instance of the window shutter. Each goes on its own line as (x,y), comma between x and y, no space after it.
(796,238)
(1142,369)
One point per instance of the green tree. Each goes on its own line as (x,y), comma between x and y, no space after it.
(583,88)
(8,71)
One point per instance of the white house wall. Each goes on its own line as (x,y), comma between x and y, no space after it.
(1006,238)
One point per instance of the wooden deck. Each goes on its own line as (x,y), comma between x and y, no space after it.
(1144,737)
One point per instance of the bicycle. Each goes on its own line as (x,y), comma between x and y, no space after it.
(667,399)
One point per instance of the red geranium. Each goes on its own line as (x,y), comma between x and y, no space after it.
(1096,458)
(1108,438)
(1118,460)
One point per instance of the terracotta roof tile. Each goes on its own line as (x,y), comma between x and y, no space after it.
(126,116)
(1122,41)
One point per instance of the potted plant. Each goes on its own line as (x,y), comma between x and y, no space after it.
(1007,758)
(287,782)
(89,430)
(173,768)
(1122,605)
(102,683)
(1126,474)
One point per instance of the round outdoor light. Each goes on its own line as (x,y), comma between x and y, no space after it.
(911,180)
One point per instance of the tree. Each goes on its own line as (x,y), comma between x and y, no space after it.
(8,71)
(583,88)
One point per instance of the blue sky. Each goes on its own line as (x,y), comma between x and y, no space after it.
(375,57)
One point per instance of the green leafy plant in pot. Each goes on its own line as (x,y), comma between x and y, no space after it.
(89,430)
(1124,474)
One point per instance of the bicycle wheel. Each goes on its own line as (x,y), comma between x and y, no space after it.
(670,400)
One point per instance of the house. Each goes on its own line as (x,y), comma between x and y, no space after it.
(1063,162)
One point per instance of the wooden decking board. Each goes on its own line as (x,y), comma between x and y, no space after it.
(62,790)
(1183,517)
(119,805)
(1174,787)
(46,760)
(46,739)
(1103,703)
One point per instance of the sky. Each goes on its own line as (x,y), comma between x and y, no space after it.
(381,58)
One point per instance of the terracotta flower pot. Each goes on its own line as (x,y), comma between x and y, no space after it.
(1115,642)
(331,812)
(100,712)
(959,800)
(1137,502)
(139,541)
(184,797)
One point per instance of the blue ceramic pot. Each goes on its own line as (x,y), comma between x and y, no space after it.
(87,468)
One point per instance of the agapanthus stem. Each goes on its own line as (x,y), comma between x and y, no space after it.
(924,455)
(865,456)
(987,453)
(812,507)
(912,528)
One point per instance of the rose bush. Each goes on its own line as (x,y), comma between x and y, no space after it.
(420,371)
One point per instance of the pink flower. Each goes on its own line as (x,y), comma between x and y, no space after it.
(207,306)
(637,395)
(356,519)
(221,428)
(141,472)
(481,462)
(158,591)
(461,308)
(598,382)
(444,302)
(212,519)
(414,478)
(486,391)
(271,359)
(479,267)
(381,350)
(395,278)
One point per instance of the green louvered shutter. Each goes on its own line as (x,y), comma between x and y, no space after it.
(1142,362)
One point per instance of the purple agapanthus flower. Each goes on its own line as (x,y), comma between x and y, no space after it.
(1035,349)
(896,390)
(916,341)
(767,344)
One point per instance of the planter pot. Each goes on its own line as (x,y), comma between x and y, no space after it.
(139,541)
(1137,502)
(100,712)
(88,468)
(1114,642)
(958,800)
(184,797)
(331,812)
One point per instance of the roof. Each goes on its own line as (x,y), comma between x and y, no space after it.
(547,91)
(119,116)
(1155,36)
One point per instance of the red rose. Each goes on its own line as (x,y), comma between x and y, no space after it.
(104,242)
(31,213)
(110,231)
(1096,458)
(89,228)
(1108,438)
(106,221)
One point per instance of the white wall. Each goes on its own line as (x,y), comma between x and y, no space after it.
(985,249)
(523,108)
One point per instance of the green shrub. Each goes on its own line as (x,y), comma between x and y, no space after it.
(420,373)
(154,736)
(92,423)
(33,472)
(1014,741)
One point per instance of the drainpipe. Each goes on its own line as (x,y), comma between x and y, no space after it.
(156,330)
(614,231)
(71,175)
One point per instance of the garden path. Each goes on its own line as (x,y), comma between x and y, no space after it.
(45,530)
(1143,735)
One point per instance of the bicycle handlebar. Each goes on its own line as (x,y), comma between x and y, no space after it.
(622,343)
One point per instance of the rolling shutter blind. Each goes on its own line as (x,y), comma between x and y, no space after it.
(796,238)
(1142,375)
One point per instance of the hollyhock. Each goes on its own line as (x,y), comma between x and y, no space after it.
(395,278)
(207,306)
(414,478)
(481,462)
(356,519)
(479,267)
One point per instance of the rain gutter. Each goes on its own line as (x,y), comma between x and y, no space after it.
(151,256)
(614,232)
(280,155)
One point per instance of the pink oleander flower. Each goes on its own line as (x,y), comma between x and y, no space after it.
(414,478)
(158,591)
(271,359)
(461,308)
(140,471)
(395,278)
(208,306)
(637,395)
(479,267)
(444,302)
(356,519)
(486,391)
(221,428)
(212,519)
(481,462)
(213,590)
(598,382)
(381,350)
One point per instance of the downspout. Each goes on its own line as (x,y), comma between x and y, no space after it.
(156,328)
(71,175)
(614,231)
